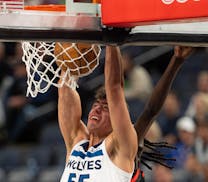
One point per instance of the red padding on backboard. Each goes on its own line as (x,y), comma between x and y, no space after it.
(129,13)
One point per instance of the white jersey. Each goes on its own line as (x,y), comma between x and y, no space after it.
(92,165)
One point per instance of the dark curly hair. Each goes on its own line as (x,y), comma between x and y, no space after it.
(153,153)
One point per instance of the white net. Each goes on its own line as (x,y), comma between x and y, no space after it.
(57,64)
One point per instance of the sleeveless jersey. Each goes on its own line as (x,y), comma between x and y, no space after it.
(92,165)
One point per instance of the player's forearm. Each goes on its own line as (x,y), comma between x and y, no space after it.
(113,67)
(68,101)
(158,97)
(162,88)
(68,98)
(69,112)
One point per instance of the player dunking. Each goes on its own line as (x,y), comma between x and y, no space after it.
(142,125)
(105,150)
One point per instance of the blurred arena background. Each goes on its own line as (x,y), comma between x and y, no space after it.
(31,146)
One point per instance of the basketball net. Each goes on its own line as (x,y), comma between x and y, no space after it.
(43,72)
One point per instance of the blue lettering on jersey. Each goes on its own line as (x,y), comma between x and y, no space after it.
(71,177)
(81,178)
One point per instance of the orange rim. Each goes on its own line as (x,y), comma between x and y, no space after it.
(96,1)
(50,7)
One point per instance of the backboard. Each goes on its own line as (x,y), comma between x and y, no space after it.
(152,22)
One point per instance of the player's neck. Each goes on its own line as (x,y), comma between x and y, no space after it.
(94,140)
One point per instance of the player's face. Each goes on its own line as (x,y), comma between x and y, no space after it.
(99,118)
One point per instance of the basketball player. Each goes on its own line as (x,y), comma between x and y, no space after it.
(154,105)
(105,150)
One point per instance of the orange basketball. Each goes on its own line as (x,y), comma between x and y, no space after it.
(80,58)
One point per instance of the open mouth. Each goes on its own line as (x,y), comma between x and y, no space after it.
(94,118)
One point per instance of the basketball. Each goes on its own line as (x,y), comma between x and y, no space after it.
(79,58)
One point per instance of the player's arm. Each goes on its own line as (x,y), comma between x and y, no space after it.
(160,91)
(124,133)
(69,114)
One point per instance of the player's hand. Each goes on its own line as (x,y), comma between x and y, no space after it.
(182,52)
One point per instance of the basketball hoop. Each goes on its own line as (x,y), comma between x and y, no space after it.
(56,63)
(42,68)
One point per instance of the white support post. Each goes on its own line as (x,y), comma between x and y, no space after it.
(82,8)
(11,5)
